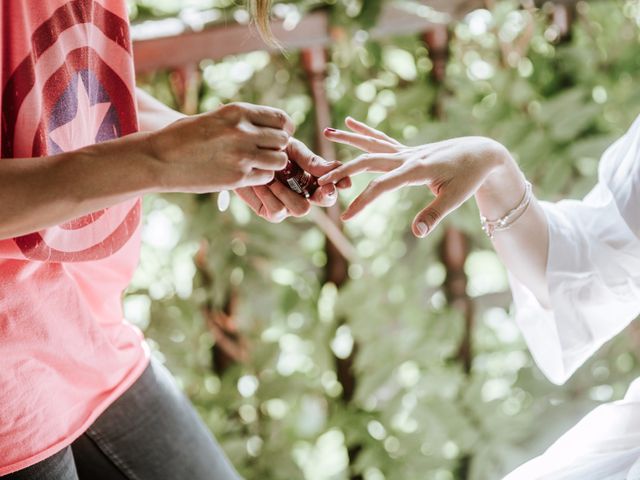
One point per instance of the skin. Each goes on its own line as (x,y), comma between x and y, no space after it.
(238,147)
(454,170)
(274,202)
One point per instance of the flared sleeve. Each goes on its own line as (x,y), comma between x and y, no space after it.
(593,267)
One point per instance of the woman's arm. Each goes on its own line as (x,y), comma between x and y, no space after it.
(574,264)
(454,170)
(523,248)
(235,146)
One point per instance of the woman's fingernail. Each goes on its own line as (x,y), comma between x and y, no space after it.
(330,130)
(422,228)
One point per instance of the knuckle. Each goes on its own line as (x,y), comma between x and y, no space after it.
(433,216)
(316,159)
(230,108)
(284,138)
(245,129)
(244,166)
(281,117)
(294,144)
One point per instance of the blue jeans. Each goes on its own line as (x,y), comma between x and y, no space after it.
(152,432)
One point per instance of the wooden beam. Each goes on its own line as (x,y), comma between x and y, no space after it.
(221,40)
(313,30)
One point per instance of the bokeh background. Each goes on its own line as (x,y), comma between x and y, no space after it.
(389,357)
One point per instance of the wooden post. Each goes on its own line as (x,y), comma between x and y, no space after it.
(454,251)
(230,346)
(314,60)
(437,42)
(563,16)
(185,84)
(454,248)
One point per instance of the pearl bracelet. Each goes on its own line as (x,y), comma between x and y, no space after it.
(505,222)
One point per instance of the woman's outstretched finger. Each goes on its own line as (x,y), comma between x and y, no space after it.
(365,129)
(363,142)
(364,163)
(381,185)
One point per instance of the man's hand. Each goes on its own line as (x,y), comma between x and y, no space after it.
(275,202)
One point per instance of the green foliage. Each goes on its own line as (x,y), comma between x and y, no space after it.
(415,412)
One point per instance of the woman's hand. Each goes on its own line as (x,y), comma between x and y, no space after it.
(237,145)
(452,169)
(275,201)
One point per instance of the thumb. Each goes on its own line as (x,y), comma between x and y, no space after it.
(309,161)
(430,216)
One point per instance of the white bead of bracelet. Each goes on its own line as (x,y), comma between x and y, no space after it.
(505,222)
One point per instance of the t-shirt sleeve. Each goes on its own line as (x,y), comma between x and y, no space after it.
(593,267)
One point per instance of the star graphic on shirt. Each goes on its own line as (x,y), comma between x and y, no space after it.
(83,129)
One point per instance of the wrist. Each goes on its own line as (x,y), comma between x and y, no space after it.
(503,188)
(154,155)
(135,164)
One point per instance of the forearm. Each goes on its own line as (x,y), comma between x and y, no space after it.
(36,193)
(153,114)
(523,248)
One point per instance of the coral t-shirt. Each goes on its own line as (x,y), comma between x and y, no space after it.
(66,352)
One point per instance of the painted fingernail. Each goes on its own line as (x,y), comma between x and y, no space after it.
(422,228)
(330,130)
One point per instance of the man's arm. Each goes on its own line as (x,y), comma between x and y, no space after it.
(220,150)
(37,193)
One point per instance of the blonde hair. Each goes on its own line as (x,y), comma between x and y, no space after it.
(260,9)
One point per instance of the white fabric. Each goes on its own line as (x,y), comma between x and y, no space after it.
(593,271)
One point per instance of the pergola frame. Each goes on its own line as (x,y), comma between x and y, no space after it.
(313,30)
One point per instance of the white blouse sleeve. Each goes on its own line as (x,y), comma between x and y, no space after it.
(593,267)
